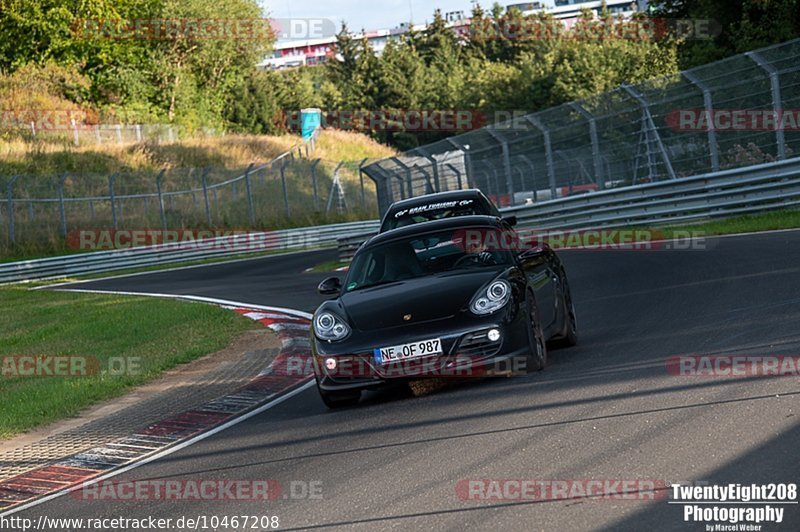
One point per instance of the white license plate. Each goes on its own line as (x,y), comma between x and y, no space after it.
(406,351)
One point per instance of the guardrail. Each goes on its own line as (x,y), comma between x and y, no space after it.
(756,188)
(317,237)
(349,245)
(746,190)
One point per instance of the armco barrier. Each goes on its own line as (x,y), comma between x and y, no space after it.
(107,261)
(748,190)
(756,188)
(348,245)
(753,189)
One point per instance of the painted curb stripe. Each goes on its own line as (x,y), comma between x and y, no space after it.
(292,330)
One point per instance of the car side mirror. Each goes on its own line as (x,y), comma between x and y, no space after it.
(330,287)
(537,250)
(510,220)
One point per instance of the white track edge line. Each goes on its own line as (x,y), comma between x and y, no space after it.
(178,268)
(201,299)
(165,452)
(173,269)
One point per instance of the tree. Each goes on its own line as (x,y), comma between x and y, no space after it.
(736,26)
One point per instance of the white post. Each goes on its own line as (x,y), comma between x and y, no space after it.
(75,132)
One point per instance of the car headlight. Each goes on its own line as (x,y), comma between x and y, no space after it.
(330,327)
(492,299)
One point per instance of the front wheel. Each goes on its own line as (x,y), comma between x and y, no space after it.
(338,399)
(537,351)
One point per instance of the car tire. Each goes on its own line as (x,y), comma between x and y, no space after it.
(338,399)
(569,337)
(537,347)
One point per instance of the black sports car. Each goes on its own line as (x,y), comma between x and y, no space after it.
(447,297)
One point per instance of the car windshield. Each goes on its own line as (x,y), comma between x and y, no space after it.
(428,254)
(435,211)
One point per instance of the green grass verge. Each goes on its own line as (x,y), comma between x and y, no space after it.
(330,266)
(162,333)
(751,223)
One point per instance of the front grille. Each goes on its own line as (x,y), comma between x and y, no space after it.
(477,345)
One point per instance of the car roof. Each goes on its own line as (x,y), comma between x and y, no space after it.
(471,193)
(442,224)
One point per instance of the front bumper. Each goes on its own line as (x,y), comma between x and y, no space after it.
(467,352)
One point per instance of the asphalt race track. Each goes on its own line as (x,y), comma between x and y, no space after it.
(607,409)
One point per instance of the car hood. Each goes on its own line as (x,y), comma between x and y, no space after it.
(424,299)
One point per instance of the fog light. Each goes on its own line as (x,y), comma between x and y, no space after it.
(330,363)
(493,335)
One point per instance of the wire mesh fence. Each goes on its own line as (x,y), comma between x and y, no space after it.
(81,134)
(43,214)
(733,113)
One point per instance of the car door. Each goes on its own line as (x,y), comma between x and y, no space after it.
(536,264)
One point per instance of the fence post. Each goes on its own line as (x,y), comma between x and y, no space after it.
(138,133)
(111,180)
(10,206)
(361,180)
(285,191)
(97,133)
(429,188)
(119,134)
(548,152)
(506,163)
(434,167)
(458,174)
(409,192)
(61,210)
(651,129)
(250,209)
(314,183)
(463,148)
(533,176)
(599,179)
(709,106)
(75,132)
(775,85)
(161,212)
(336,189)
(203,178)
